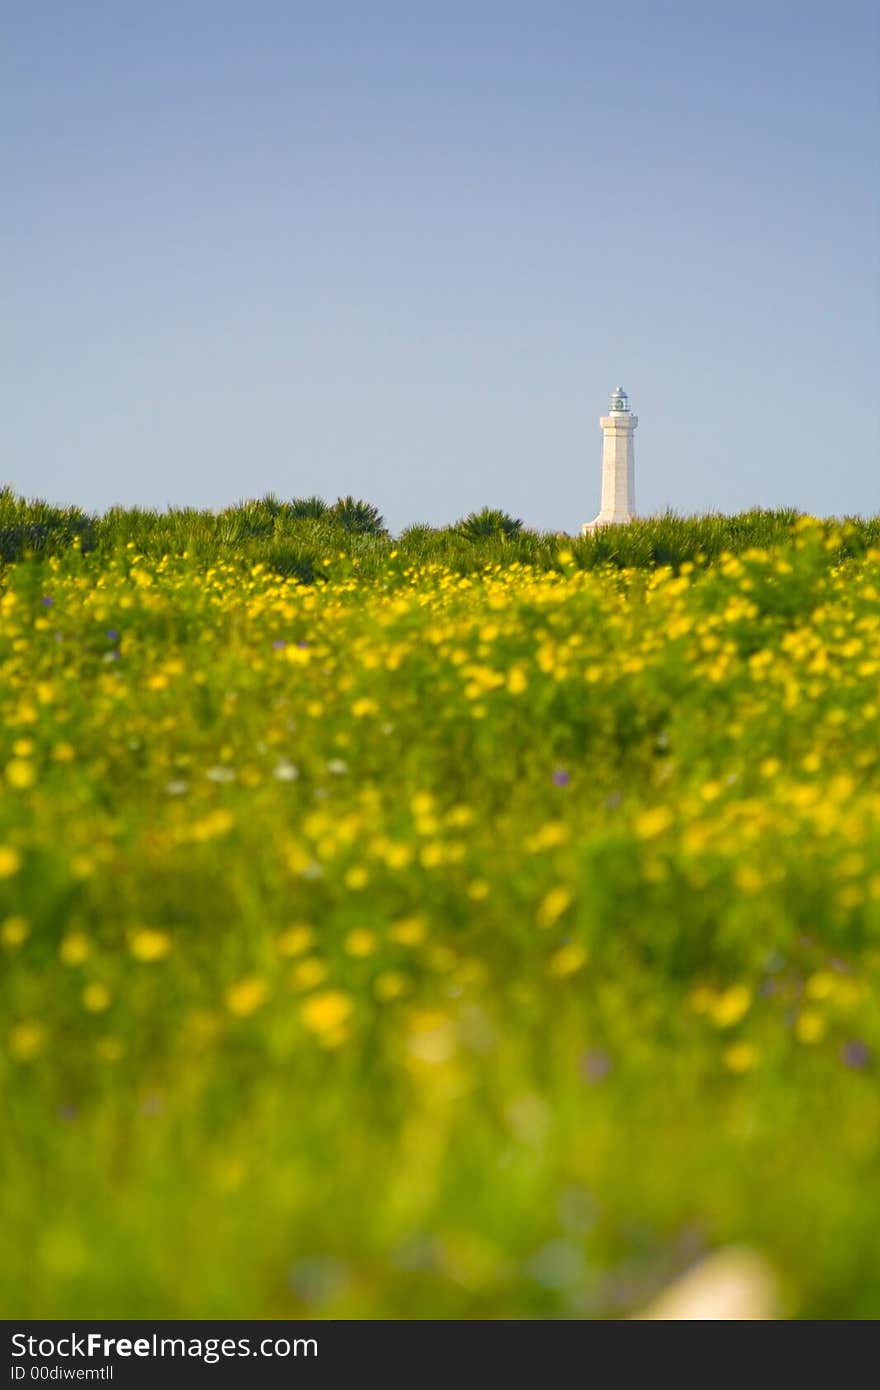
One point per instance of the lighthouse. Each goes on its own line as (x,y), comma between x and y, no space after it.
(618,465)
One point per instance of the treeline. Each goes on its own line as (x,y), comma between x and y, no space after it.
(297,537)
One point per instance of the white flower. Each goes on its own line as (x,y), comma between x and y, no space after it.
(221,774)
(286,771)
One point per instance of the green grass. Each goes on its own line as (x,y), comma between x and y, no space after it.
(455,925)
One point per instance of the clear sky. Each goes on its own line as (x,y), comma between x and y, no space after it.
(406,248)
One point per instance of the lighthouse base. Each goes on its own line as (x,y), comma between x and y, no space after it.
(618,519)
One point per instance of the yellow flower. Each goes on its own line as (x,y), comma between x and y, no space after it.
(702,999)
(748,879)
(149,944)
(390,985)
(299,656)
(246,996)
(96,998)
(74,948)
(821,985)
(214,824)
(517,680)
(295,941)
(567,960)
(308,973)
(10,861)
(360,942)
(478,890)
(409,931)
(298,858)
(810,1027)
(729,1007)
(552,906)
(432,1038)
(27,1040)
(652,823)
(740,1057)
(20,773)
(849,896)
(548,837)
(326,1013)
(14,931)
(695,838)
(432,854)
(357,877)
(362,707)
(421,804)
(398,856)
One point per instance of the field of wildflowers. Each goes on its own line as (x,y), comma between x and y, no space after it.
(442,927)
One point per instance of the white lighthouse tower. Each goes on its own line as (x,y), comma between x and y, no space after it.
(618,465)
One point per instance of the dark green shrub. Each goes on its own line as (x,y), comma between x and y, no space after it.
(490,522)
(307,509)
(357,517)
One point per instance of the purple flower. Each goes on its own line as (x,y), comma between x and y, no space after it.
(302,644)
(561,777)
(316,1278)
(855,1054)
(595,1066)
(47,601)
(112,634)
(279,643)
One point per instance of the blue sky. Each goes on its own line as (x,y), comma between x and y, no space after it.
(405,250)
